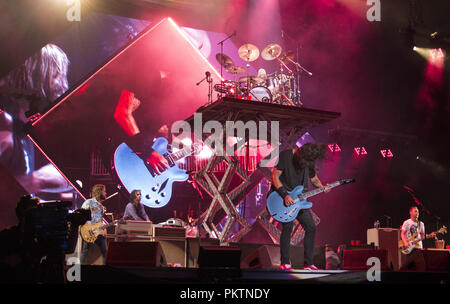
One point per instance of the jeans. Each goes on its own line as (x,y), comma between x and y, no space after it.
(306,220)
(85,246)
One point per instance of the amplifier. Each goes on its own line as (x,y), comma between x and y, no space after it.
(357,259)
(136,227)
(168,232)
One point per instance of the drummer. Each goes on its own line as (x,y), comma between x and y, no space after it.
(262,74)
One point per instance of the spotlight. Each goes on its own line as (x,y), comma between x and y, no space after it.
(80,183)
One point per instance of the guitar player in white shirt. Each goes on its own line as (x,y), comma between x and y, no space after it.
(414,260)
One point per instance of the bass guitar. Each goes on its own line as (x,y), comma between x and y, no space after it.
(90,232)
(282,213)
(412,240)
(156,189)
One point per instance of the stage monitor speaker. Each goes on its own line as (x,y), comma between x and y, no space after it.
(357,259)
(266,256)
(298,257)
(436,259)
(174,252)
(135,254)
(219,257)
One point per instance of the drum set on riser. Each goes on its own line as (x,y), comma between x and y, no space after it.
(279,87)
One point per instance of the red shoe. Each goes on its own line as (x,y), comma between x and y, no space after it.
(285,267)
(311,268)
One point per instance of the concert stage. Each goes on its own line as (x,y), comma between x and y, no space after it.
(246,263)
(181,142)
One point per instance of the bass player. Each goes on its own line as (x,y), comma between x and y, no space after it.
(410,227)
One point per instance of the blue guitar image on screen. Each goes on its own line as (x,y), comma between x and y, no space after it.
(134,174)
(282,213)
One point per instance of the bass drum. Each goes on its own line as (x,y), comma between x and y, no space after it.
(261,94)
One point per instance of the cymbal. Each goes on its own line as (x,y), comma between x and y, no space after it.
(235,69)
(271,52)
(224,60)
(251,79)
(288,54)
(248,52)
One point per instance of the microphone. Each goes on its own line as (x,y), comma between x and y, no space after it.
(208,75)
(282,34)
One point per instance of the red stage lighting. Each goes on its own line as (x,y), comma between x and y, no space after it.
(386,153)
(334,148)
(360,151)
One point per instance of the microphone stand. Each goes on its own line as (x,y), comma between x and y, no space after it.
(209,80)
(200,198)
(416,200)
(298,67)
(221,54)
(206,77)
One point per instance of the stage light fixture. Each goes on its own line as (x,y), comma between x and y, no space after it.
(386,153)
(334,148)
(360,151)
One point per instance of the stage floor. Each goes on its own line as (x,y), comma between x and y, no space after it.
(181,275)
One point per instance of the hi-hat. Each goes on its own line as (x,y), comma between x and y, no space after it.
(271,52)
(248,52)
(224,60)
(235,70)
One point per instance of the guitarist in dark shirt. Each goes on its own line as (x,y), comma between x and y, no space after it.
(294,168)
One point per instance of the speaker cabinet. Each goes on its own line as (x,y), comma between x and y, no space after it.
(436,259)
(174,252)
(263,257)
(387,238)
(134,254)
(219,257)
(357,259)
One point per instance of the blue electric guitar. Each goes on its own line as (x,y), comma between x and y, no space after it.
(282,213)
(156,189)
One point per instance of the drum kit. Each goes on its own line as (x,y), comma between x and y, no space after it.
(279,87)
